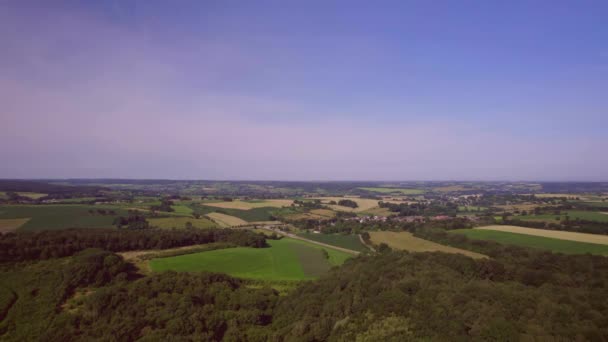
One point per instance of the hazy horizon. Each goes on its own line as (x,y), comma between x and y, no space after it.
(483,91)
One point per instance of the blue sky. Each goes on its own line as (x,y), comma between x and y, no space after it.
(323,90)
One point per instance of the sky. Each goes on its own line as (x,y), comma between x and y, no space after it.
(304,90)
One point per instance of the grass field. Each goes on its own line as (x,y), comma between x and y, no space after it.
(180,222)
(531,241)
(402,191)
(345,241)
(407,241)
(224,220)
(471,208)
(251,204)
(50,217)
(9,225)
(573,214)
(250,215)
(555,234)
(182,209)
(286,259)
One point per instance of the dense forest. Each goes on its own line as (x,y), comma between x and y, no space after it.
(519,294)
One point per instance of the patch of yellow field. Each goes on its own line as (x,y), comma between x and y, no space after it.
(364,203)
(377,211)
(324,212)
(224,220)
(243,205)
(407,241)
(180,222)
(9,225)
(555,234)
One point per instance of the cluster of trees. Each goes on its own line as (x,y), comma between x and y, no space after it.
(431,208)
(165,205)
(311,204)
(397,296)
(52,244)
(132,222)
(171,306)
(348,203)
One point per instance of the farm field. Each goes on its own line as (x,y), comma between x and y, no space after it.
(345,241)
(377,211)
(9,225)
(224,220)
(573,214)
(182,209)
(286,259)
(50,217)
(471,208)
(395,190)
(32,195)
(533,241)
(315,214)
(407,241)
(250,204)
(250,215)
(555,234)
(180,222)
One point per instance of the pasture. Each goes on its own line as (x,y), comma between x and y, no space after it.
(402,191)
(285,259)
(407,241)
(224,220)
(50,217)
(555,234)
(180,222)
(351,242)
(533,241)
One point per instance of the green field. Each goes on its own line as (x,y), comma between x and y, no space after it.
(286,259)
(471,208)
(182,209)
(538,242)
(573,214)
(180,222)
(351,242)
(251,215)
(50,217)
(401,191)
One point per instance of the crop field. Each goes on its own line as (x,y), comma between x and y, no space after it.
(407,241)
(471,208)
(572,214)
(224,220)
(402,191)
(377,211)
(180,222)
(251,204)
(533,241)
(32,195)
(286,259)
(50,217)
(9,225)
(555,234)
(351,242)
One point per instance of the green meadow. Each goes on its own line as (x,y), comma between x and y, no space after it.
(572,214)
(285,259)
(50,217)
(538,242)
